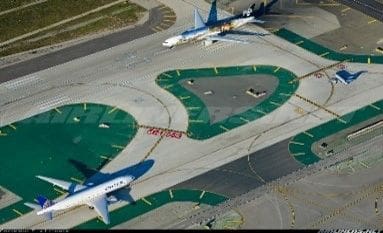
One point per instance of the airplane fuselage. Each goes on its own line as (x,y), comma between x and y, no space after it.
(87,195)
(202,33)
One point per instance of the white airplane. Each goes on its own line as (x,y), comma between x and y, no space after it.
(96,196)
(216,30)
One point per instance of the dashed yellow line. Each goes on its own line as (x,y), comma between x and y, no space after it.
(195,121)
(320,106)
(167,17)
(369,60)
(254,68)
(224,128)
(168,86)
(244,119)
(113,109)
(317,71)
(167,20)
(345,9)
(324,54)
(329,4)
(298,154)
(154,29)
(167,75)
(17,212)
(105,157)
(84,106)
(171,194)
(297,143)
(159,28)
(284,94)
(308,134)
(146,201)
(363,164)
(262,112)
(202,194)
(299,42)
(178,73)
(341,120)
(193,108)
(372,21)
(275,103)
(277,69)
(13,126)
(59,191)
(215,70)
(58,110)
(75,179)
(184,97)
(374,106)
(118,147)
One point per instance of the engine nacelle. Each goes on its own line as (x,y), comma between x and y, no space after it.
(112,199)
(208,42)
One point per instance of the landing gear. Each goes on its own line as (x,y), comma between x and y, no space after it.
(91,207)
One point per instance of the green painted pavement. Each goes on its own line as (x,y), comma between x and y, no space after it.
(44,143)
(300,145)
(324,51)
(199,120)
(152,202)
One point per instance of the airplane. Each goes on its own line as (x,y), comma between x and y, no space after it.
(97,192)
(346,77)
(216,30)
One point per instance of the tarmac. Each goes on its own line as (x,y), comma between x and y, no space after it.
(246,173)
(124,76)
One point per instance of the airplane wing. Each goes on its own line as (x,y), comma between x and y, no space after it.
(226,39)
(100,205)
(71,187)
(236,32)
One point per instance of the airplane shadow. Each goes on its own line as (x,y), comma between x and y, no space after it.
(94,177)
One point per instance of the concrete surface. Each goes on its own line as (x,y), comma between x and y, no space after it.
(124,75)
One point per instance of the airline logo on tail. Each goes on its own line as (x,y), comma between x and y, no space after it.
(44,202)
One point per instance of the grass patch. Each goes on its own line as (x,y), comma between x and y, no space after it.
(114,17)
(41,15)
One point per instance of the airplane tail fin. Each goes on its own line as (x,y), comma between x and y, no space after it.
(43,204)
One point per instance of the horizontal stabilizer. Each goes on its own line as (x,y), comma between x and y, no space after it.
(43,204)
(68,186)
